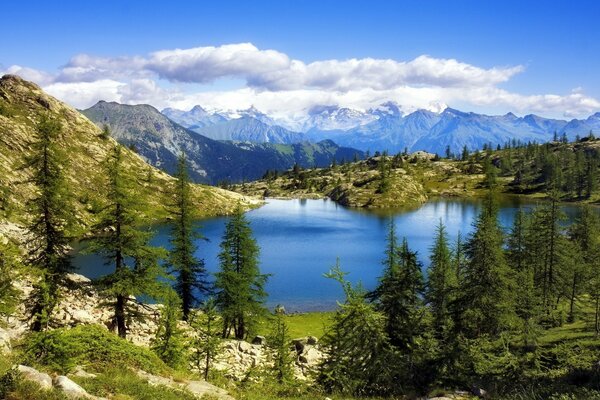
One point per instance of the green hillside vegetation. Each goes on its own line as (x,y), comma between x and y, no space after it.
(408,180)
(22,106)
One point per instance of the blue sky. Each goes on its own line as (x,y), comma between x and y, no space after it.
(555,45)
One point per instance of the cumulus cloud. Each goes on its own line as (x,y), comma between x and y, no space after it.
(282,86)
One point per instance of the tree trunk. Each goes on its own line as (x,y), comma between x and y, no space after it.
(120,316)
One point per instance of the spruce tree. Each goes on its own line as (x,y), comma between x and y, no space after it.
(125,246)
(239,283)
(442,284)
(190,272)
(52,218)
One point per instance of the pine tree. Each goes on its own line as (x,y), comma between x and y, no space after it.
(442,284)
(360,359)
(52,218)
(279,341)
(486,287)
(169,343)
(239,283)
(125,246)
(190,272)
(207,339)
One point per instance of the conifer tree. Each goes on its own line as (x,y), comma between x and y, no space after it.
(399,293)
(442,284)
(486,295)
(585,236)
(169,343)
(9,295)
(125,246)
(239,283)
(527,304)
(545,246)
(279,341)
(190,272)
(360,359)
(207,339)
(52,218)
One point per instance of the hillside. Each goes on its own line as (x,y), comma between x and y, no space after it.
(23,103)
(405,180)
(159,140)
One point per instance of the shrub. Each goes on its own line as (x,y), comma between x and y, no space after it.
(63,349)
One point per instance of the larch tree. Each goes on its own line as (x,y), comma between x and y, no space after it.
(52,218)
(125,246)
(239,283)
(207,338)
(191,275)
(585,235)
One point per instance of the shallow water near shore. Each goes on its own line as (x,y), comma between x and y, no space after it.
(301,239)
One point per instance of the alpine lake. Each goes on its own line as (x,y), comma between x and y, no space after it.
(301,239)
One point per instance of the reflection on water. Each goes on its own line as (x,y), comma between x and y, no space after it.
(300,240)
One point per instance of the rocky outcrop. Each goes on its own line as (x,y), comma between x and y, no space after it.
(69,388)
(200,389)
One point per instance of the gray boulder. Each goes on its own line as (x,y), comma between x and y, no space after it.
(33,375)
(70,388)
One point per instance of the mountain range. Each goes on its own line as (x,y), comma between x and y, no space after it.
(160,141)
(386,127)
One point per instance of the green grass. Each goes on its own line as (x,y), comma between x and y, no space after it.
(304,324)
(122,383)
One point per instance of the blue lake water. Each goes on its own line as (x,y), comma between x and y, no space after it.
(301,239)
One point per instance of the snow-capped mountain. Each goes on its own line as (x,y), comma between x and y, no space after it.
(385,127)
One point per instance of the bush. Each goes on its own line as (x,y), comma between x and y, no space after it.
(63,349)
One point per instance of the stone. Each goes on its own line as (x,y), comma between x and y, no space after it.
(310,356)
(203,388)
(312,340)
(81,373)
(70,388)
(479,392)
(244,347)
(76,278)
(259,340)
(4,341)
(33,375)
(299,344)
(82,317)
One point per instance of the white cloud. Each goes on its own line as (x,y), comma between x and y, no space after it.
(285,87)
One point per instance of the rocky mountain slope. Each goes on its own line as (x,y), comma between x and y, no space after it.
(388,127)
(160,140)
(23,103)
